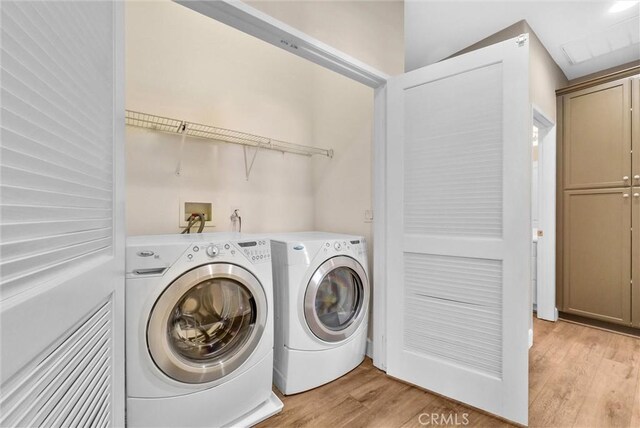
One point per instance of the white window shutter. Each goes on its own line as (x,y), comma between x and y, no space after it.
(61,214)
(57,140)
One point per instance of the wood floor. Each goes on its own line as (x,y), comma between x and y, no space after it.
(578,377)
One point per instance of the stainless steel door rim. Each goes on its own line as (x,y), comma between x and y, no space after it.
(163,351)
(314,322)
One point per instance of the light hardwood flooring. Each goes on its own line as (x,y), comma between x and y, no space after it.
(578,377)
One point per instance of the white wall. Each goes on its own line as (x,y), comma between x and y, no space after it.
(181,64)
(343,115)
(369,30)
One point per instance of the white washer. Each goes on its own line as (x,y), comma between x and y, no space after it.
(199,331)
(321,285)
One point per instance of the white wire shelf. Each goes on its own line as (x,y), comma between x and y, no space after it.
(208,132)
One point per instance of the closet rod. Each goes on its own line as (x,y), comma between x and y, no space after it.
(208,132)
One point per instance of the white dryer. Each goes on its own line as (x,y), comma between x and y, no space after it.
(199,331)
(321,285)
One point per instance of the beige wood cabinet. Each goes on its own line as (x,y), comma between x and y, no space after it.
(597,136)
(598,217)
(597,253)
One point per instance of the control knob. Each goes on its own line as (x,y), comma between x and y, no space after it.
(212,251)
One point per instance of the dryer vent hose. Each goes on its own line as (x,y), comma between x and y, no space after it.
(193,218)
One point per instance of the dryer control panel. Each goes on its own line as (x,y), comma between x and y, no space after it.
(355,247)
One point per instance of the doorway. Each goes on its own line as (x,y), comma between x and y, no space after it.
(543,217)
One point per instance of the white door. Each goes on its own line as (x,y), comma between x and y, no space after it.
(61,230)
(458,228)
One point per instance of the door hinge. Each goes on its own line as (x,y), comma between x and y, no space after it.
(520,40)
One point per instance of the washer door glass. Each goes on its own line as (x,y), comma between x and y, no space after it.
(207,323)
(212,320)
(338,298)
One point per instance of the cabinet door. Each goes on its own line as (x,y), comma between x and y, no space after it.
(635,260)
(597,254)
(597,136)
(635,125)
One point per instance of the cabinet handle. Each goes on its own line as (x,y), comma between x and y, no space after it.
(625,178)
(636,195)
(636,177)
(625,195)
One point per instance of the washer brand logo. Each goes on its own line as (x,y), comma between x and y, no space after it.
(145,253)
(298,247)
(451,419)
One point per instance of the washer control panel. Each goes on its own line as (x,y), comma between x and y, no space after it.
(254,251)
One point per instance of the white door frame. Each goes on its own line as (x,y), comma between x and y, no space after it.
(264,27)
(546,258)
(245,18)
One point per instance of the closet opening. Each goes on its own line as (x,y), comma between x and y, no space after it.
(232,89)
(543,216)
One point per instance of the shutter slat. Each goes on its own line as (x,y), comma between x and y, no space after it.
(61,266)
(68,69)
(47,148)
(34,164)
(29,213)
(12,103)
(33,130)
(19,249)
(16,195)
(33,263)
(27,89)
(20,389)
(26,231)
(78,365)
(61,377)
(20,178)
(80,386)
(76,401)
(40,83)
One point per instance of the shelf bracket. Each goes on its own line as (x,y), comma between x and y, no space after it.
(248,165)
(182,129)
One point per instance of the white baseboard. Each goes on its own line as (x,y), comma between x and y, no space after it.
(369,351)
(530,337)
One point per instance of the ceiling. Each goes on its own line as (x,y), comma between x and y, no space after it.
(435,30)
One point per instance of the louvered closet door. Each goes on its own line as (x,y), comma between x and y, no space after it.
(61,229)
(459,232)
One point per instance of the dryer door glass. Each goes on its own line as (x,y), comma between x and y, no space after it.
(213,318)
(207,323)
(338,298)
